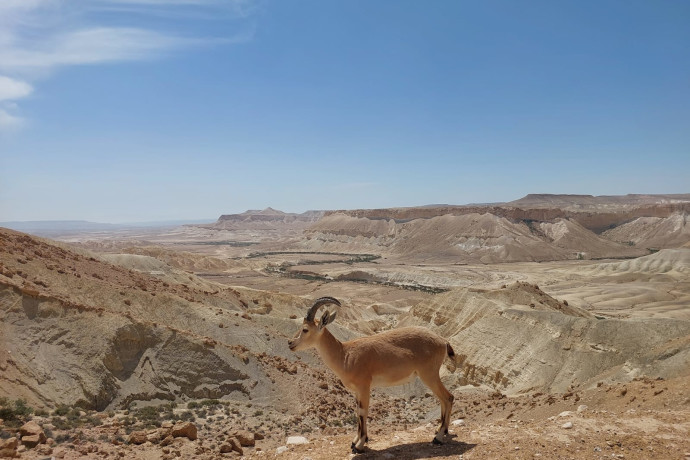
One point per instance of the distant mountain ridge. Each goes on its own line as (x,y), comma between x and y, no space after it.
(537,227)
(596,213)
(588,201)
(58,227)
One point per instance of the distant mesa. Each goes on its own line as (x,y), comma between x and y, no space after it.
(266,219)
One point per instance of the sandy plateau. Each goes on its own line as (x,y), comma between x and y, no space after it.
(569,315)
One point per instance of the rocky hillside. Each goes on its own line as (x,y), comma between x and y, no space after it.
(75,329)
(653,232)
(468,238)
(596,213)
(534,228)
(519,339)
(121,332)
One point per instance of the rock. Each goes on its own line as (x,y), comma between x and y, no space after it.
(458,422)
(32,441)
(184,430)
(567,425)
(566,413)
(31,429)
(281,449)
(8,447)
(44,449)
(164,431)
(246,438)
(137,437)
(156,436)
(581,408)
(167,440)
(258,436)
(296,440)
(233,444)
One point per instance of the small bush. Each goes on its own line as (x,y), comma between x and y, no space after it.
(61,423)
(63,437)
(187,416)
(14,413)
(210,402)
(93,421)
(61,410)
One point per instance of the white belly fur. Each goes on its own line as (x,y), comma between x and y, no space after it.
(383,381)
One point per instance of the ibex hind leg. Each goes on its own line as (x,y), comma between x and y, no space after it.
(436,386)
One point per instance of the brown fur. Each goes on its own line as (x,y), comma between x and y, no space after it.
(389,358)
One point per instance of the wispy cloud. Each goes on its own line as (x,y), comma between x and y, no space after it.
(38,37)
(91,46)
(11,90)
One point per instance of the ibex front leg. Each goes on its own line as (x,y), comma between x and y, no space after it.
(362,412)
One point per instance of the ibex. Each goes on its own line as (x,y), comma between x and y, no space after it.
(390,358)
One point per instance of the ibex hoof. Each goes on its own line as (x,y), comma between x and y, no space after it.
(437,442)
(355,450)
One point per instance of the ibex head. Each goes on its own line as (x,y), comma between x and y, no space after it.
(310,330)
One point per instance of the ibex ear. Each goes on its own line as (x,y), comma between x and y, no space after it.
(327,318)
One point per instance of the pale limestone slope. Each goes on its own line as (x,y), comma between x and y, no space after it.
(518,348)
(467,238)
(653,232)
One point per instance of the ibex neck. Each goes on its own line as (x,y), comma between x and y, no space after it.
(331,351)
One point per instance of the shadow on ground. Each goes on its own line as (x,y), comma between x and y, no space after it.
(417,450)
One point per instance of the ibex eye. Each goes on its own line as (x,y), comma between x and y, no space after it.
(305,330)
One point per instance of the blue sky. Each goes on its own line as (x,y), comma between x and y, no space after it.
(143,110)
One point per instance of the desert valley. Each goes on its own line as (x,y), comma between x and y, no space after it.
(569,316)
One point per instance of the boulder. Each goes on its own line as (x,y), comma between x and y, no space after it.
(246,438)
(33,432)
(31,441)
(167,440)
(8,447)
(184,430)
(156,436)
(44,449)
(233,444)
(137,437)
(296,440)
